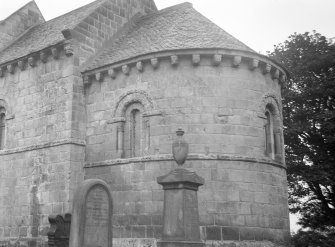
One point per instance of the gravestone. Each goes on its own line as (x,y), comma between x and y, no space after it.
(91,224)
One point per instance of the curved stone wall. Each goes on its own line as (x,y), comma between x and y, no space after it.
(220,102)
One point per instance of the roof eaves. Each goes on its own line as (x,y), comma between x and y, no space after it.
(125,30)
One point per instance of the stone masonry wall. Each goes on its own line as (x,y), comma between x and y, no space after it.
(222,111)
(103,23)
(18,22)
(41,163)
(239,201)
(219,108)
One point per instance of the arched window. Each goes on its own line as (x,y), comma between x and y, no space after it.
(2,127)
(273,136)
(269,135)
(133,130)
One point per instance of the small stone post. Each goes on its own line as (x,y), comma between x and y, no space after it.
(180,216)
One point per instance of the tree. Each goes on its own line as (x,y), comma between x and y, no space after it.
(309,129)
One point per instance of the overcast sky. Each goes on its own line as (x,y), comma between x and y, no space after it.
(258,23)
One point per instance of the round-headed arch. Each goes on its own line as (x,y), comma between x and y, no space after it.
(271,102)
(133,96)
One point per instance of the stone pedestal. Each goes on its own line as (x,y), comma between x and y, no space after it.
(181,216)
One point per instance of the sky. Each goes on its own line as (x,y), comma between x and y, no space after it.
(260,24)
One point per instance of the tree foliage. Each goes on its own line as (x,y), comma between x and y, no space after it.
(309,127)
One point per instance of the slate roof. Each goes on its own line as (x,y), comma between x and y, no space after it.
(174,28)
(46,34)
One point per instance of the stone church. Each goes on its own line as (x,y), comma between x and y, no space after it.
(99,93)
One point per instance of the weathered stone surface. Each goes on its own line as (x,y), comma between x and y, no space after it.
(58,130)
(240,181)
(181,216)
(92,215)
(59,232)
(18,22)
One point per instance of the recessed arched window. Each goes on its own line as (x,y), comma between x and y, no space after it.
(133,130)
(2,127)
(273,136)
(269,135)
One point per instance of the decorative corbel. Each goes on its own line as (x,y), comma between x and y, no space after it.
(111,73)
(86,80)
(254,64)
(154,62)
(196,59)
(237,61)
(98,76)
(32,61)
(125,69)
(217,58)
(139,66)
(267,69)
(68,47)
(174,60)
(10,68)
(43,57)
(55,52)
(22,65)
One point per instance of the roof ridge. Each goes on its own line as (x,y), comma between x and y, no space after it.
(220,28)
(178,27)
(53,24)
(184,4)
(74,10)
(117,37)
(16,11)
(18,37)
(84,17)
(25,31)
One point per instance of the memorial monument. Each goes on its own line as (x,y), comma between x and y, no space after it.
(181,216)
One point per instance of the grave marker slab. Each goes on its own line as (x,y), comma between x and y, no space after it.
(92,215)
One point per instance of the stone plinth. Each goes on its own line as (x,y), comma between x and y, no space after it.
(181,216)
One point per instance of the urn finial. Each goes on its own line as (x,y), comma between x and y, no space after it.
(180,148)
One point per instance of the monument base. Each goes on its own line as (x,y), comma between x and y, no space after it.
(162,243)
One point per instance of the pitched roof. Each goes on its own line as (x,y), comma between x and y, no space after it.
(173,28)
(30,5)
(46,34)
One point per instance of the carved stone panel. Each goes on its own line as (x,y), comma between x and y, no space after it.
(96,218)
(92,215)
